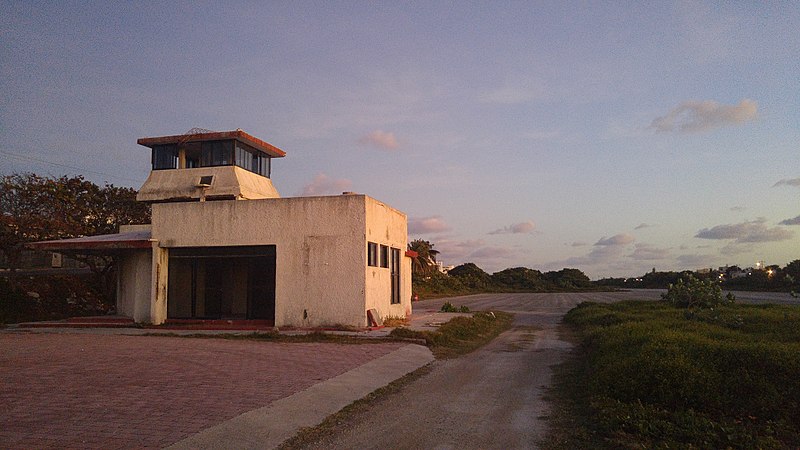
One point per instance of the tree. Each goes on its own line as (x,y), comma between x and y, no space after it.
(568,278)
(691,292)
(520,279)
(36,208)
(425,261)
(471,276)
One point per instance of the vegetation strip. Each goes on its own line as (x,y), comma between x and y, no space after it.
(653,375)
(349,414)
(460,335)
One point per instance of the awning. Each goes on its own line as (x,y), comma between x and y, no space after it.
(118,241)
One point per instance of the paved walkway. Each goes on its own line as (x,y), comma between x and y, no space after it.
(65,390)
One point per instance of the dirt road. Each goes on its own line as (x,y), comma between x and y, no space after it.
(491,398)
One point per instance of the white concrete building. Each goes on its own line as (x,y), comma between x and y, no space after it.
(223,244)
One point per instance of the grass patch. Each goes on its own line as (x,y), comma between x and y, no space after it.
(460,335)
(649,375)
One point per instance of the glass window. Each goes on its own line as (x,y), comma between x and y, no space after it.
(384,256)
(372,254)
(165,157)
(395,271)
(251,159)
(217,153)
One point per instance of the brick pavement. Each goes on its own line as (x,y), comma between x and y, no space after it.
(112,391)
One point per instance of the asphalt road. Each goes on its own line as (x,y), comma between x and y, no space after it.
(491,398)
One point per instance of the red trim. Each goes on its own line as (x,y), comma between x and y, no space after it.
(411,253)
(239,135)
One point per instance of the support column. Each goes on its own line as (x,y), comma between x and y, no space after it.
(158,292)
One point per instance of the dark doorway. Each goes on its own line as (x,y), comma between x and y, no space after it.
(222,283)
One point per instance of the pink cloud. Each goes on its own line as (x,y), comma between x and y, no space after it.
(517,228)
(426,225)
(619,239)
(325,185)
(381,139)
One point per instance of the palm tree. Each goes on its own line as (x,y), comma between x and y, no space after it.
(425,261)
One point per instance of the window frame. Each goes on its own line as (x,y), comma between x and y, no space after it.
(384,256)
(372,254)
(164,153)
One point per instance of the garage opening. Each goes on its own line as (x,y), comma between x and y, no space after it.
(222,283)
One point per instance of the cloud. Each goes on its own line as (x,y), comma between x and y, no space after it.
(692,260)
(738,208)
(620,239)
(696,116)
(325,185)
(795,221)
(517,228)
(642,225)
(426,225)
(733,249)
(579,244)
(788,182)
(752,231)
(458,250)
(492,252)
(645,252)
(382,139)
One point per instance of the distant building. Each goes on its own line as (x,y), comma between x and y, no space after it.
(442,268)
(223,244)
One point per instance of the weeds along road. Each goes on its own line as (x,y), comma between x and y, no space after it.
(491,398)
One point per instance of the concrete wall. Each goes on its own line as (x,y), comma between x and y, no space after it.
(320,245)
(228,181)
(133,283)
(387,226)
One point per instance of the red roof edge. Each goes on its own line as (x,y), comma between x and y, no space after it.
(239,135)
(411,253)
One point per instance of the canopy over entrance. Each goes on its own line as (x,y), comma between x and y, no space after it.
(97,244)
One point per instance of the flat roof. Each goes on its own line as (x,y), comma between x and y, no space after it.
(117,241)
(238,135)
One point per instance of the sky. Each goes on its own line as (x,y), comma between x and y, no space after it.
(613,137)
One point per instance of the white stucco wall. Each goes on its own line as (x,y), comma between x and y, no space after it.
(228,180)
(320,249)
(387,226)
(133,283)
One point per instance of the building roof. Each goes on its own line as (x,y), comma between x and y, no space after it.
(238,135)
(118,241)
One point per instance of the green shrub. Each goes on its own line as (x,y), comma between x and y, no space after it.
(691,292)
(449,307)
(461,334)
(649,378)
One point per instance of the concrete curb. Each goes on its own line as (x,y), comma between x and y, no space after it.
(271,425)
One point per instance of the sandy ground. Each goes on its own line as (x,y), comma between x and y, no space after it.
(491,398)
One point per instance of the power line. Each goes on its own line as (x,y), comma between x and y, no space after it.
(80,170)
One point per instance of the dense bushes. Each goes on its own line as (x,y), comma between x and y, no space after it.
(50,297)
(691,292)
(471,279)
(655,377)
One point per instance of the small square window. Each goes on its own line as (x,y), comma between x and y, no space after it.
(372,254)
(384,256)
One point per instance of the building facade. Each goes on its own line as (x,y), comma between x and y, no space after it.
(223,244)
